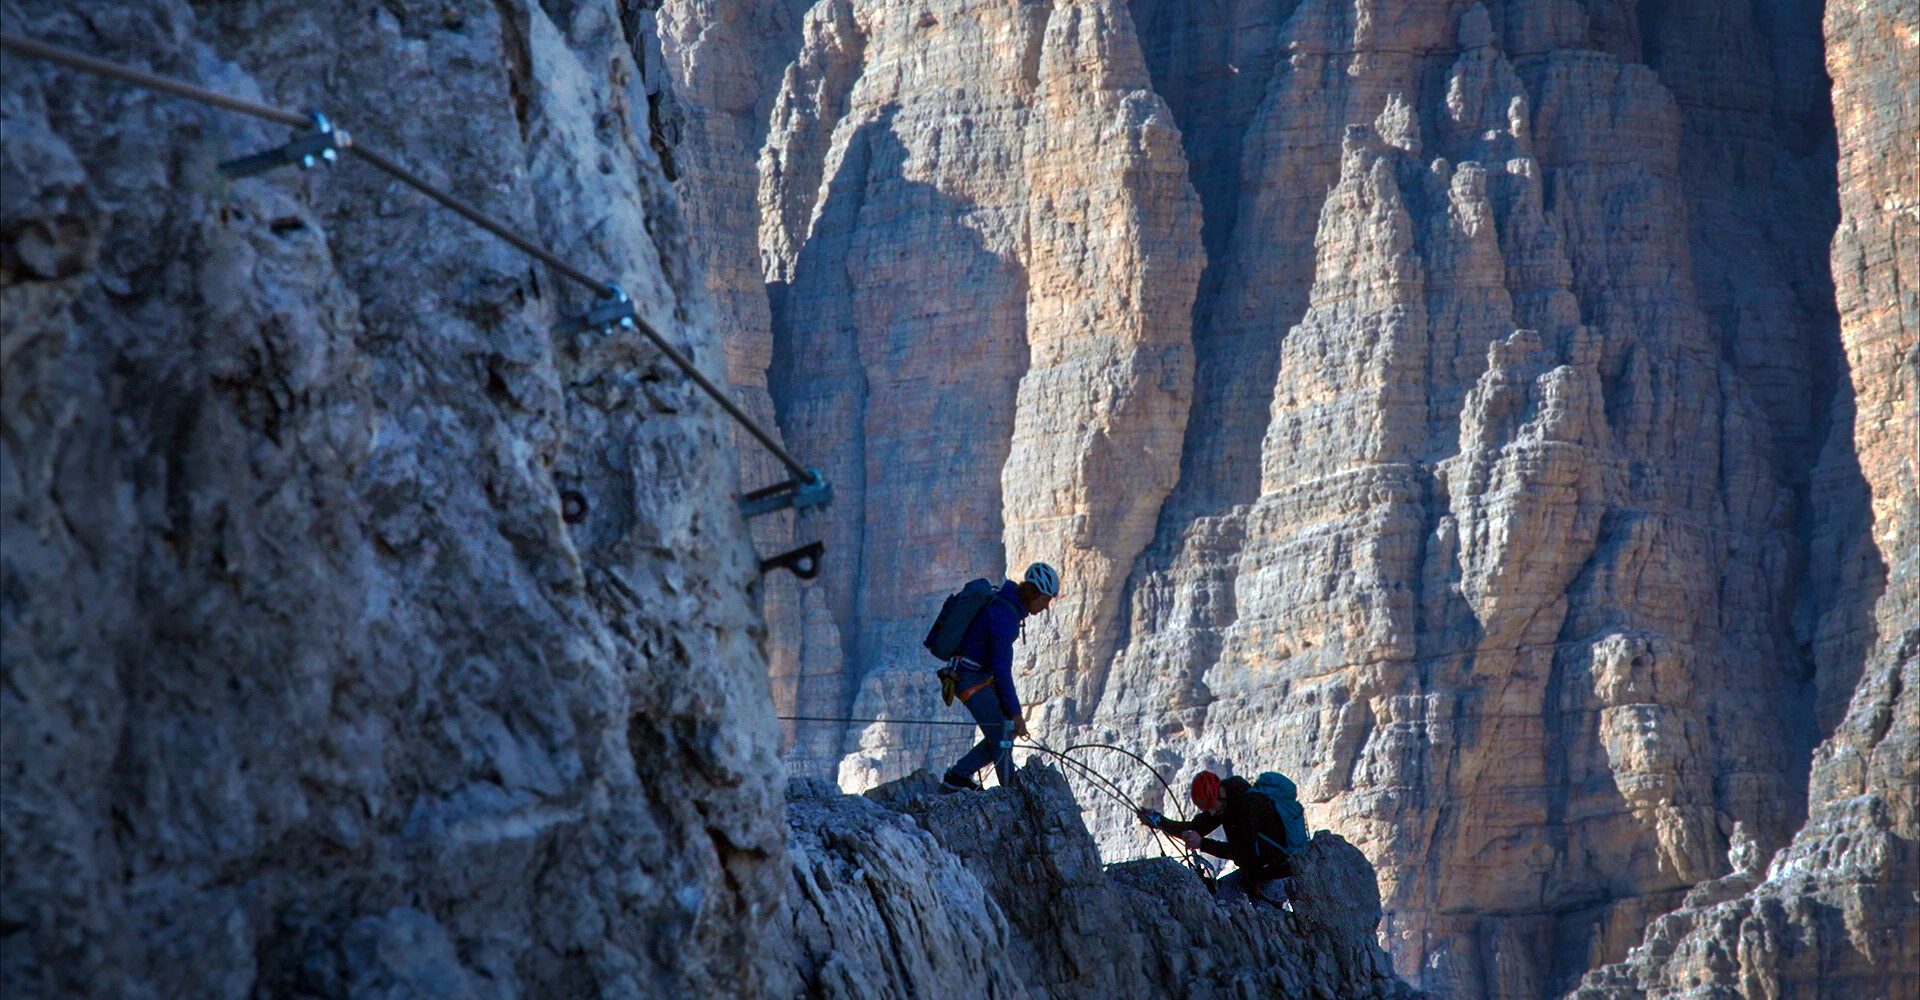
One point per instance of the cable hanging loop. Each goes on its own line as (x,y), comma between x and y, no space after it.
(1111,787)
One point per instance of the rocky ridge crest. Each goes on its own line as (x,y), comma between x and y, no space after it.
(907,892)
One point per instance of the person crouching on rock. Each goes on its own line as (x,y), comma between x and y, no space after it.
(1258,841)
(983,675)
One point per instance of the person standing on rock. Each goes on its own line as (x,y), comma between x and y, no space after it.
(1260,839)
(982,674)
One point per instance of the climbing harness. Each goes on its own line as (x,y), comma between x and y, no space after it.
(321,141)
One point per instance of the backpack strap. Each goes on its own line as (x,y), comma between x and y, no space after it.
(1269,810)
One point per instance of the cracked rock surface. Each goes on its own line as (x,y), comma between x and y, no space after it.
(907,892)
(309,688)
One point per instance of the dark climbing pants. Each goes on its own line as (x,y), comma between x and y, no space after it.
(996,740)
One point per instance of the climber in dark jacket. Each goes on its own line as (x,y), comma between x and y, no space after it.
(983,673)
(1255,838)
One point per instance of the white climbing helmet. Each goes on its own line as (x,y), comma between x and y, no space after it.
(1044,579)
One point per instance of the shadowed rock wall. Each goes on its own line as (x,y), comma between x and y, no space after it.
(1837,913)
(309,688)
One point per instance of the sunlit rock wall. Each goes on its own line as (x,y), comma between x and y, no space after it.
(1517,503)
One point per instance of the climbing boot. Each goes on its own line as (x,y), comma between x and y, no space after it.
(950,784)
(1275,892)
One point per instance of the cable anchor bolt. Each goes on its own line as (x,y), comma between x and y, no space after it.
(320,144)
(612,309)
(798,493)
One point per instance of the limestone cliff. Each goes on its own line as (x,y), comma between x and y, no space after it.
(1449,403)
(1837,913)
(310,689)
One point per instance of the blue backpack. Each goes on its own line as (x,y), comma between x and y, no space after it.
(1286,801)
(956,615)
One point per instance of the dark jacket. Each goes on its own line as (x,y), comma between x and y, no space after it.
(1247,816)
(989,643)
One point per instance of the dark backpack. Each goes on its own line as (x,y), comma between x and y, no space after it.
(956,616)
(1293,819)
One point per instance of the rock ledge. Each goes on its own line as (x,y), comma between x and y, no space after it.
(1002,894)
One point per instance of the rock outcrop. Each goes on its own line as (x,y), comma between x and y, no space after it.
(1512,479)
(310,688)
(907,892)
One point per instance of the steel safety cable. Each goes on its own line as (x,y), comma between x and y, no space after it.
(1171,797)
(35,49)
(904,722)
(1032,744)
(1112,789)
(1190,855)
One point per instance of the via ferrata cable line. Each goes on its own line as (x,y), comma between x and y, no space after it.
(1105,784)
(325,141)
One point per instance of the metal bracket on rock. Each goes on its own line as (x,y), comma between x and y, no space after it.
(800,494)
(320,144)
(803,562)
(606,312)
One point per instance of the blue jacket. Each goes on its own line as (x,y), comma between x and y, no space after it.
(989,642)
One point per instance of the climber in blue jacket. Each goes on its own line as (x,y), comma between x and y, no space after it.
(983,673)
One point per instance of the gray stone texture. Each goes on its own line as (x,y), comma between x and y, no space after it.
(1002,894)
(1468,416)
(309,688)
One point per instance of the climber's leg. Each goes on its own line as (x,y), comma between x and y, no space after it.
(985,706)
(1231,888)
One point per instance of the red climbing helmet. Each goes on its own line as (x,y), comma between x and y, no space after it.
(1206,790)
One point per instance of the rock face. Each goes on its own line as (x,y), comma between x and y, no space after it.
(717,49)
(1834,914)
(1068,239)
(911,893)
(1450,404)
(309,688)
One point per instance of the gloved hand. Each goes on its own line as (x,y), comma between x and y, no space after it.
(1149,817)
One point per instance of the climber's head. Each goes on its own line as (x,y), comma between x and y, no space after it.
(1041,586)
(1206,792)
